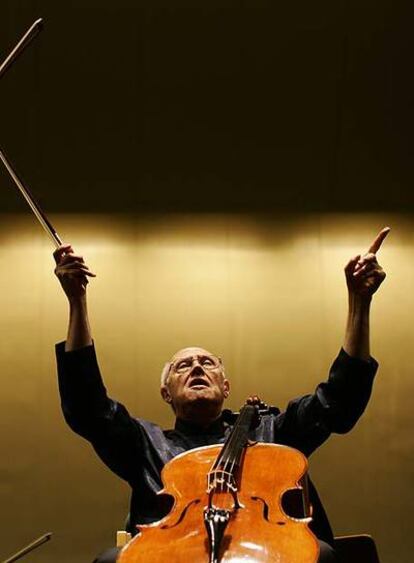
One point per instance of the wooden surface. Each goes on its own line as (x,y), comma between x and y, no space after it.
(267,472)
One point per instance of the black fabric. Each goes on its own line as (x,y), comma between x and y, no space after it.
(326,553)
(137,449)
(108,556)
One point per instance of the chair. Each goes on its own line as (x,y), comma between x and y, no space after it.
(122,538)
(356,549)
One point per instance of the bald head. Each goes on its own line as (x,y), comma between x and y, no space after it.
(188,352)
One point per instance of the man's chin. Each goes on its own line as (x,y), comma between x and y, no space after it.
(202,396)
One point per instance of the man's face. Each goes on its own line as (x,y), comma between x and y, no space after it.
(196,378)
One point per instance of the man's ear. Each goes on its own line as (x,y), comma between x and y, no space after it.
(226,385)
(165,394)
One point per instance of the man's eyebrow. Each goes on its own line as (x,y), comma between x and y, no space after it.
(202,356)
(183,359)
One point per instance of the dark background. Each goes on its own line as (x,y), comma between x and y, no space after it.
(222,106)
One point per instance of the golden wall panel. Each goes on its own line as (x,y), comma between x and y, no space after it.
(265,292)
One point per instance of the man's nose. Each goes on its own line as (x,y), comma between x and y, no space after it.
(197,369)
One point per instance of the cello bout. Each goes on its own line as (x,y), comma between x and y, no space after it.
(248,527)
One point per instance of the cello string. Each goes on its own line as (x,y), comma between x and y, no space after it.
(233,443)
(232,450)
(244,429)
(238,435)
(227,445)
(229,449)
(225,455)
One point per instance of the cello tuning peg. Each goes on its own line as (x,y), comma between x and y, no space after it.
(255,401)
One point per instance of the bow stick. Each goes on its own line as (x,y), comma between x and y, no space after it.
(21,45)
(37,543)
(30,34)
(34,206)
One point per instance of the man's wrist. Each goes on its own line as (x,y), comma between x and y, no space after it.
(76,301)
(356,300)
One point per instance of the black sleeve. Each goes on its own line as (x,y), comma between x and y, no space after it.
(117,438)
(336,405)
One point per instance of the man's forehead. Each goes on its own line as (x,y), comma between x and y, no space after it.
(191,351)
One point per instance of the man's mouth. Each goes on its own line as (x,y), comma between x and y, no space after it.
(198,383)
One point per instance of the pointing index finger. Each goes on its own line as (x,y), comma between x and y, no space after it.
(376,245)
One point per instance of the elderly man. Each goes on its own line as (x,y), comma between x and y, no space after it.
(195,385)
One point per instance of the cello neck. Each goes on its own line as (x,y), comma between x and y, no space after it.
(231,453)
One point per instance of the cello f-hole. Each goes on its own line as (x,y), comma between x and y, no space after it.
(181,517)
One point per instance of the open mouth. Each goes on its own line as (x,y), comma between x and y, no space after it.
(198,383)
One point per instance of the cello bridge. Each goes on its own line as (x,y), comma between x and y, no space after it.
(220,481)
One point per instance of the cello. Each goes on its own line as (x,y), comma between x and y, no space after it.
(228,505)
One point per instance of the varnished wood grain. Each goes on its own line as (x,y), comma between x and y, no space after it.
(268,471)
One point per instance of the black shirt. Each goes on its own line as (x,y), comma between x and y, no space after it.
(137,450)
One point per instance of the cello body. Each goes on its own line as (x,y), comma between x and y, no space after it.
(257,530)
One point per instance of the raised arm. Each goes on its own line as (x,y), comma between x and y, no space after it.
(73,273)
(116,437)
(363,277)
